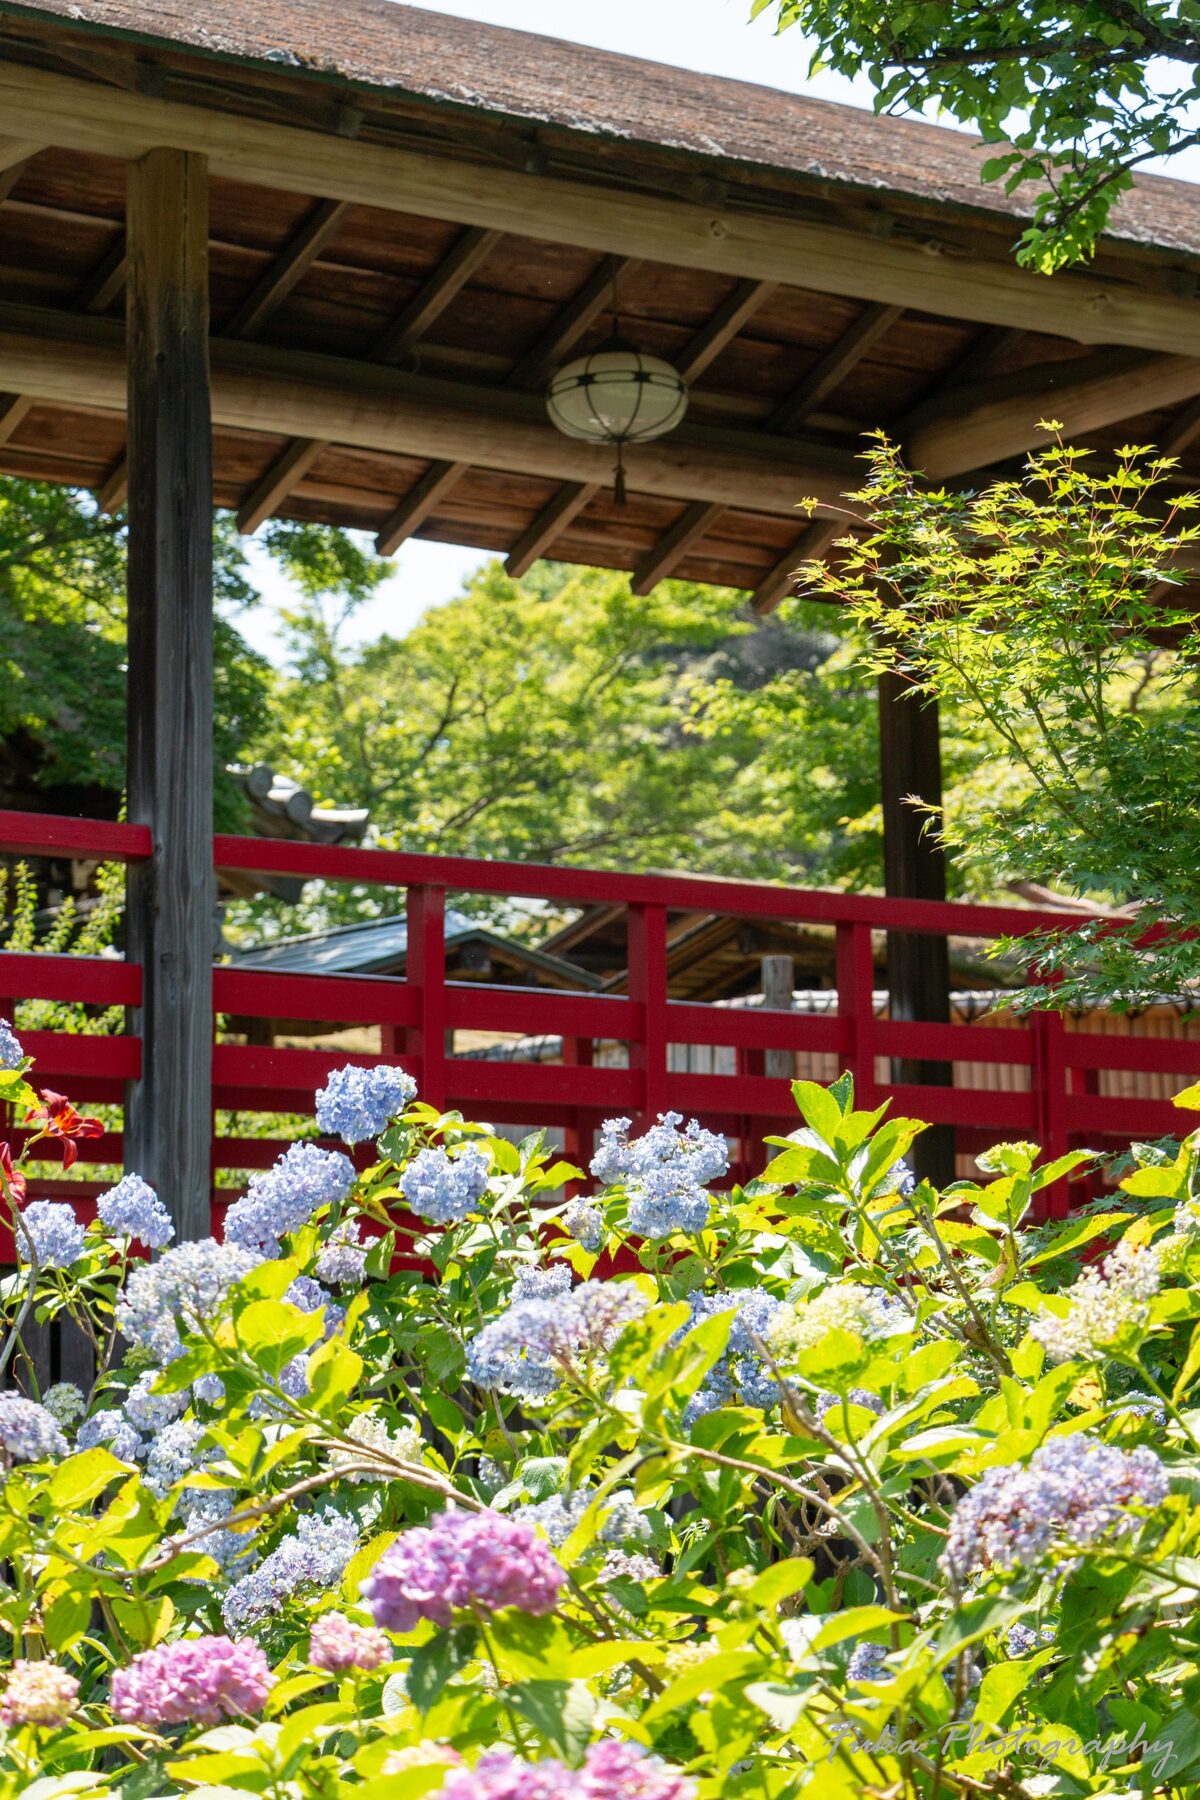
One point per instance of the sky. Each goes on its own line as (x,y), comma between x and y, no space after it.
(711,36)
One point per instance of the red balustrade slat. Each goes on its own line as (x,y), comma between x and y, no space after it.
(1167,1056)
(86,980)
(608,1090)
(64,1054)
(54,834)
(647,954)
(536,1012)
(1010,1114)
(348,999)
(921,1041)
(755,1027)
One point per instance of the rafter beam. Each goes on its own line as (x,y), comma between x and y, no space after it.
(290,467)
(780,580)
(295,394)
(691,525)
(815,255)
(723,327)
(417,505)
(430,302)
(1181,431)
(990,421)
(833,367)
(549,524)
(323,223)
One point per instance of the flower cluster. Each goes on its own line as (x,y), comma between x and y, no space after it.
(28,1432)
(37,1693)
(622,1520)
(1074,1492)
(664,1172)
(337,1644)
(740,1372)
(356,1104)
(198,1680)
(376,1444)
(54,1231)
(444,1188)
(584,1223)
(537,1343)
(461,1559)
(343,1261)
(285,1197)
(186,1285)
(65,1403)
(1103,1304)
(867,1663)
(112,1429)
(612,1770)
(11,1053)
(842,1306)
(314,1556)
(132,1209)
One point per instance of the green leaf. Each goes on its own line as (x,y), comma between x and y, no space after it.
(82,1476)
(67,1617)
(435,1663)
(273,1333)
(334,1372)
(561,1712)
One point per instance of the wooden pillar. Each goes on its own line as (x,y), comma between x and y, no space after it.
(914,866)
(170,898)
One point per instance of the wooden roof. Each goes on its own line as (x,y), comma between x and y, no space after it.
(414,218)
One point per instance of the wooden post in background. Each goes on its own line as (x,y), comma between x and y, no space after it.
(914,863)
(168,1127)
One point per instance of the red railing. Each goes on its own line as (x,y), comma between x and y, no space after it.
(1060,1103)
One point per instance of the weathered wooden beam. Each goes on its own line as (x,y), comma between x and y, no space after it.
(427,306)
(106,280)
(914,868)
(13,408)
(581,312)
(549,524)
(170,898)
(814,255)
(323,223)
(110,495)
(674,544)
(990,421)
(1181,431)
(289,468)
(833,367)
(780,579)
(417,505)
(12,171)
(723,327)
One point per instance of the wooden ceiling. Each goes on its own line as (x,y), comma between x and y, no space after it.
(415,350)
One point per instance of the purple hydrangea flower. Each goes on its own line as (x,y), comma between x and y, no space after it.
(664,1173)
(28,1433)
(1074,1492)
(343,1261)
(149,1411)
(460,1559)
(612,1770)
(356,1104)
(536,1344)
(132,1209)
(311,1297)
(37,1693)
(177,1451)
(444,1188)
(867,1663)
(11,1053)
(55,1232)
(739,1373)
(113,1430)
(827,1403)
(185,1285)
(313,1556)
(337,1644)
(284,1198)
(585,1224)
(198,1681)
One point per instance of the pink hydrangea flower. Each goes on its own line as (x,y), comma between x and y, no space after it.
(337,1644)
(611,1771)
(199,1680)
(482,1560)
(37,1693)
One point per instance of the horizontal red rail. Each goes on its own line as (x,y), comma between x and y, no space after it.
(55,834)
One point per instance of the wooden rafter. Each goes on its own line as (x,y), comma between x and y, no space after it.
(1182,431)
(417,505)
(553,519)
(322,224)
(780,580)
(833,367)
(723,327)
(692,524)
(817,255)
(426,306)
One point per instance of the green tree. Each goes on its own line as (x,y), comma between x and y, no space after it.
(1033,611)
(1076,96)
(562,719)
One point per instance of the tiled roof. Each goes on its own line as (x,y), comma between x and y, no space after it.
(409,51)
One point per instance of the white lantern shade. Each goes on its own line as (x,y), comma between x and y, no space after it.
(617,395)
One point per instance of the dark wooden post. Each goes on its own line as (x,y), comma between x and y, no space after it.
(914,866)
(170,897)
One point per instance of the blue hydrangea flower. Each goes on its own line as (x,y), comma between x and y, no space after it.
(111,1429)
(537,1343)
(867,1663)
(664,1173)
(313,1557)
(311,1297)
(65,1403)
(356,1104)
(444,1188)
(11,1053)
(622,1519)
(209,1388)
(28,1433)
(56,1234)
(585,1224)
(132,1209)
(343,1261)
(185,1285)
(284,1198)
(150,1412)
(740,1374)
(176,1452)
(541,1284)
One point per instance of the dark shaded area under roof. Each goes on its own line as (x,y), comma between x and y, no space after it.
(406,50)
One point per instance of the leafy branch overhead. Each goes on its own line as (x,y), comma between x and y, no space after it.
(1076,97)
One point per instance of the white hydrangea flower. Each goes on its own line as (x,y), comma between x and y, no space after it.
(1103,1303)
(371,1433)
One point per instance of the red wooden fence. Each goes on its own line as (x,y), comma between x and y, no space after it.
(418,1013)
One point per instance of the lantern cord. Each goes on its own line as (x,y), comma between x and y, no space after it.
(619,475)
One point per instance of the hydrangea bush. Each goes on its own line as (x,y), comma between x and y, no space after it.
(457,1477)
